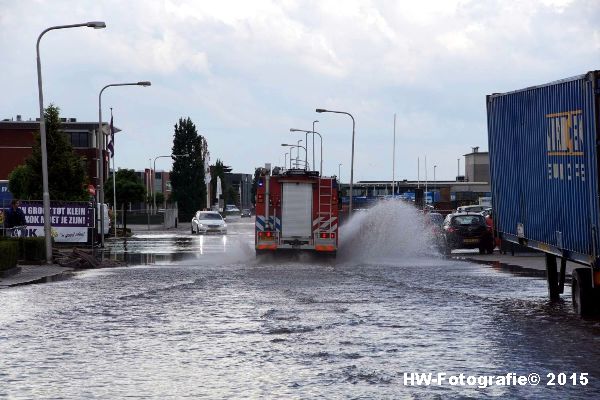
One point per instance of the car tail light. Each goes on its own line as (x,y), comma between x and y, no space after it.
(324,235)
(332,236)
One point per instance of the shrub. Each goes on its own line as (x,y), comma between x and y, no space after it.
(32,248)
(8,254)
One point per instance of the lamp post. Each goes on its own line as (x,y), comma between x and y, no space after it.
(434,167)
(394,161)
(285,160)
(291,146)
(321,110)
(313,147)
(154,172)
(298,153)
(100,139)
(321,137)
(45,189)
(305,141)
(340,173)
(321,166)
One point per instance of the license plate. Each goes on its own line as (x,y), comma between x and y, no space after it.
(470,240)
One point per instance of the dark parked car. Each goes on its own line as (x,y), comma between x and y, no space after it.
(246,213)
(467,231)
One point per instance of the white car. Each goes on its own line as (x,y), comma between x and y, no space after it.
(208,222)
(232,210)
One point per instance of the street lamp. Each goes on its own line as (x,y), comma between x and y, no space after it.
(100,138)
(291,146)
(321,110)
(340,173)
(313,132)
(313,147)
(305,141)
(45,189)
(298,153)
(154,172)
(434,167)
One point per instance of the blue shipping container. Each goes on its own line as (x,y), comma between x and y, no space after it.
(544,166)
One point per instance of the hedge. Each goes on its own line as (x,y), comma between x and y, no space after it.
(28,248)
(9,250)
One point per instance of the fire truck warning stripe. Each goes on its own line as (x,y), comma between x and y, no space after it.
(260,223)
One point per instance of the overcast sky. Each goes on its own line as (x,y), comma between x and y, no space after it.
(247,71)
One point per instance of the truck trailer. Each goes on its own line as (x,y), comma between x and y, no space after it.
(296,210)
(544,172)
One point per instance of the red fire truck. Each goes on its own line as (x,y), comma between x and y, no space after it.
(296,210)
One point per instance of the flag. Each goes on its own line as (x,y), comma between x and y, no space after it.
(111,142)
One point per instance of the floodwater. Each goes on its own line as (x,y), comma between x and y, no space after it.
(199,316)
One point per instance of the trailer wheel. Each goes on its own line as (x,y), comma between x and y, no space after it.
(582,291)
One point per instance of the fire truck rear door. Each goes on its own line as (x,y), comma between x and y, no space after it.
(296,209)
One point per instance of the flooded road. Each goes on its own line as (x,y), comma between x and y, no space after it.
(199,316)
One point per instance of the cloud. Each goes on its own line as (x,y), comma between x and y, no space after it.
(246,72)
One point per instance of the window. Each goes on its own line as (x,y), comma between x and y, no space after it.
(79,139)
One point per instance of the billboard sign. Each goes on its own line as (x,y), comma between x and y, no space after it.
(69,220)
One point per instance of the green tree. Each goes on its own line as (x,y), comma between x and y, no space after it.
(187,177)
(18,180)
(66,175)
(160,199)
(129,190)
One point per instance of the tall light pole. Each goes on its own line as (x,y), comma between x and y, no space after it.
(458,169)
(434,167)
(321,137)
(321,110)
(285,160)
(291,146)
(44,149)
(298,152)
(154,172)
(305,141)
(313,147)
(100,139)
(321,166)
(340,172)
(394,160)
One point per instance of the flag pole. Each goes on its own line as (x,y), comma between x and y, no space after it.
(114,176)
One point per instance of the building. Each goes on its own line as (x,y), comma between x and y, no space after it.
(477,166)
(242,183)
(17,140)
(161,184)
(467,189)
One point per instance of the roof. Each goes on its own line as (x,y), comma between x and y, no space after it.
(67,126)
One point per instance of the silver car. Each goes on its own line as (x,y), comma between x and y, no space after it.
(208,222)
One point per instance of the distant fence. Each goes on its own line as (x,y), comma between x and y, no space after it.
(166,218)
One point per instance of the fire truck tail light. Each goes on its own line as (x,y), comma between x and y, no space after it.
(332,236)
